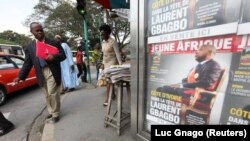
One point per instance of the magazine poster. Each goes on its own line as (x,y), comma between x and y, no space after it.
(169,64)
(176,31)
(236,109)
(172,20)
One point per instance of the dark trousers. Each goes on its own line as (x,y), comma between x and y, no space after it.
(184,92)
(79,67)
(84,68)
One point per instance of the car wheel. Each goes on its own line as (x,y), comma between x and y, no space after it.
(3,96)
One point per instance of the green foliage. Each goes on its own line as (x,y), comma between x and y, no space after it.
(120,30)
(61,17)
(62,21)
(3,41)
(10,37)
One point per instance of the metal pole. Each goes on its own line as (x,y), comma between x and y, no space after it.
(85,31)
(105,16)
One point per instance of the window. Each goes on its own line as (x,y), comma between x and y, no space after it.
(19,62)
(12,49)
(5,64)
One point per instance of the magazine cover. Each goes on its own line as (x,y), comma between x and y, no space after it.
(184,88)
(236,109)
(172,66)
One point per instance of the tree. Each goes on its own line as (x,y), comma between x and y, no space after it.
(120,26)
(121,30)
(3,41)
(61,17)
(58,17)
(64,20)
(41,11)
(10,37)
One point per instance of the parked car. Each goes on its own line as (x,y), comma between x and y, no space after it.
(12,49)
(9,68)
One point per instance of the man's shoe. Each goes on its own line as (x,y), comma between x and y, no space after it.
(64,90)
(71,89)
(6,130)
(105,104)
(53,120)
(49,116)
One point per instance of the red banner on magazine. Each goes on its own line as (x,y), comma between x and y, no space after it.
(227,43)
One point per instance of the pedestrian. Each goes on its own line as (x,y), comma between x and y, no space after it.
(5,125)
(48,70)
(96,55)
(79,61)
(111,54)
(69,76)
(81,65)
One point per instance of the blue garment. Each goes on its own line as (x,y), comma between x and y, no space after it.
(69,76)
(42,62)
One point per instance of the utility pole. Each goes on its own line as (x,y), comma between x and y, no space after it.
(85,34)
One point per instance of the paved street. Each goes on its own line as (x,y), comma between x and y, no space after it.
(22,108)
(82,116)
(82,119)
(27,110)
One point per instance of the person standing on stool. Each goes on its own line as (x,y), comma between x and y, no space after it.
(111,53)
(48,71)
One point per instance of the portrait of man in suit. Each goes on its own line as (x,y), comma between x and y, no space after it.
(204,75)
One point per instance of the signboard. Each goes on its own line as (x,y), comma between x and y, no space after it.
(176,30)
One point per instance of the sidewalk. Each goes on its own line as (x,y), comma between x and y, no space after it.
(82,119)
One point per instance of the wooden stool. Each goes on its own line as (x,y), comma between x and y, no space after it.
(120,116)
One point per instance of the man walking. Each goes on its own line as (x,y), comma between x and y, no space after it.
(69,77)
(48,70)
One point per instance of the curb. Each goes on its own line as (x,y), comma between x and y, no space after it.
(49,129)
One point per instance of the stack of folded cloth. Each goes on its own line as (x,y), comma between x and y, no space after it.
(118,72)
